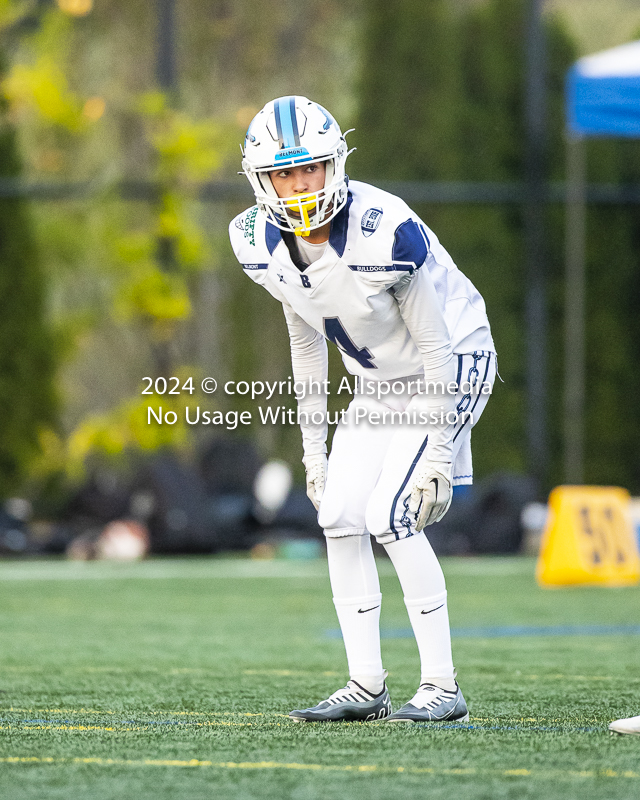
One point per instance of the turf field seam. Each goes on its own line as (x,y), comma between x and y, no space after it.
(121,726)
(141,725)
(476,722)
(556,774)
(97,712)
(510,631)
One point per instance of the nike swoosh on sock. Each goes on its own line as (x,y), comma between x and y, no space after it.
(364,610)
(431,609)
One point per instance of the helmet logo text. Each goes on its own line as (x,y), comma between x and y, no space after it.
(291,152)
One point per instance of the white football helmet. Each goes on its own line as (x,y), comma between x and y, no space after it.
(288,132)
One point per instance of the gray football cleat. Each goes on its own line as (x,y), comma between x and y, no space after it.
(353,702)
(432,704)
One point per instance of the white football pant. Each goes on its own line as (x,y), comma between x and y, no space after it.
(371,466)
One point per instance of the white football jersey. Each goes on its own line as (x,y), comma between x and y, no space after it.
(377,246)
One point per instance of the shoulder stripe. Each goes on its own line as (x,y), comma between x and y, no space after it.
(372,268)
(409,246)
(272,237)
(340,228)
(423,230)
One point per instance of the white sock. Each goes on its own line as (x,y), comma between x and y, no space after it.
(430,622)
(357,598)
(425,597)
(372,683)
(449,684)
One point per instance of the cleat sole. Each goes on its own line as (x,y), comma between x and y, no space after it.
(416,721)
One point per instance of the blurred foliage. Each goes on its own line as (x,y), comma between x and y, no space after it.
(442,98)
(27,345)
(133,289)
(126,428)
(44,87)
(113,267)
(597,25)
(156,296)
(155,258)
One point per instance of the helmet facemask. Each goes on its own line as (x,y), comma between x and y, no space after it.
(301,213)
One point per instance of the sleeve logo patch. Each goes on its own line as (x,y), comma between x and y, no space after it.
(370,220)
(250,225)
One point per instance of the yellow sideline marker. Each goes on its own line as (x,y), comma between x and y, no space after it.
(588,539)
(367,769)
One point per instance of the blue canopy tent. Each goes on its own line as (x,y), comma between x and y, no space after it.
(603,100)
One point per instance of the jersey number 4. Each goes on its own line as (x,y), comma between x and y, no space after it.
(335,332)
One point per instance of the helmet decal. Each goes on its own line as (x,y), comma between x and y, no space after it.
(248,135)
(329,120)
(286,123)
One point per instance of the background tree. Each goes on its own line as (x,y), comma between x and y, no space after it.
(27,345)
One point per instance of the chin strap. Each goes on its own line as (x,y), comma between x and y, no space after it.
(294,252)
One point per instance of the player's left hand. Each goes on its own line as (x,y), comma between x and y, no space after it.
(316,467)
(431,493)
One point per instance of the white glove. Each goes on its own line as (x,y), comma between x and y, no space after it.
(431,493)
(316,467)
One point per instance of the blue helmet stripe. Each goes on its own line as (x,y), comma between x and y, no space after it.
(286,123)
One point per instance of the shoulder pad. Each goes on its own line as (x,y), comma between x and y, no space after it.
(385,236)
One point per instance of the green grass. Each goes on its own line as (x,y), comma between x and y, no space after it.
(172,679)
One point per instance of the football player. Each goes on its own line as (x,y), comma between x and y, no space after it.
(356,266)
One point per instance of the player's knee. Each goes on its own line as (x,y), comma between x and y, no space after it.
(377,517)
(337,515)
(329,516)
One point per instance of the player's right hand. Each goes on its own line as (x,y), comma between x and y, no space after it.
(316,467)
(431,493)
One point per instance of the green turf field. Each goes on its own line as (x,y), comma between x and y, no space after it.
(172,679)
